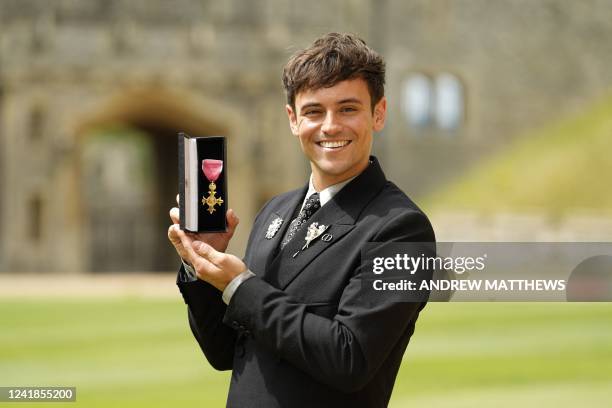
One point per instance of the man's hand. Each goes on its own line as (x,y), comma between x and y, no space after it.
(218,240)
(212,266)
(205,251)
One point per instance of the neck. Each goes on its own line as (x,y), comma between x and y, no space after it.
(321,181)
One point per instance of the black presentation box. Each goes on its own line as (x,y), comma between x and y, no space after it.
(202,183)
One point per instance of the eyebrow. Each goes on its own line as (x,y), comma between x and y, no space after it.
(350,100)
(340,102)
(310,105)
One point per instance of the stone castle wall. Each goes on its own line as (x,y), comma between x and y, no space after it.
(67,67)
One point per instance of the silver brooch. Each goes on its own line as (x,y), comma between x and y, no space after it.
(274,227)
(314,230)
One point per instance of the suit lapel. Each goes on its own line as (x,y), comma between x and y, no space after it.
(339,214)
(268,247)
(292,259)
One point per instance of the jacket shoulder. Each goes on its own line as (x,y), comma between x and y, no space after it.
(392,207)
(392,200)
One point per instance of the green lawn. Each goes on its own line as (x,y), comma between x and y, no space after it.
(140,353)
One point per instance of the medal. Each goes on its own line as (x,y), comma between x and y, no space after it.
(212,169)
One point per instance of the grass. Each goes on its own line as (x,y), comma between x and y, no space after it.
(140,353)
(116,352)
(559,168)
(509,354)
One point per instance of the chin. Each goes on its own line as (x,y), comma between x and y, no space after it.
(333,168)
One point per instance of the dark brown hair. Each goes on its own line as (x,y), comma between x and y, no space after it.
(333,58)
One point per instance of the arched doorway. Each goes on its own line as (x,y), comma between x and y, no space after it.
(128,162)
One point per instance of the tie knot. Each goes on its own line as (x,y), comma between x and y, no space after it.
(312,204)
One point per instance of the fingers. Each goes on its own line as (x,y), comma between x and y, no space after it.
(186,242)
(232,220)
(175,239)
(182,243)
(209,253)
(214,267)
(205,269)
(173,236)
(202,262)
(203,257)
(174,215)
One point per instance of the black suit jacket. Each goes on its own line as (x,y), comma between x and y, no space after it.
(302,333)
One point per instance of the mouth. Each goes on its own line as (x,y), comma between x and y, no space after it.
(333,144)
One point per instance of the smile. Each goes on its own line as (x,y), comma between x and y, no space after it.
(333,144)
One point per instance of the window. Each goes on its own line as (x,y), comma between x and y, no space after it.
(433,102)
(417,100)
(449,102)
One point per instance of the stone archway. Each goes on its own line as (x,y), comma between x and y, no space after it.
(127,232)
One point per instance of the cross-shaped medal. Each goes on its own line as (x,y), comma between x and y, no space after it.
(212,200)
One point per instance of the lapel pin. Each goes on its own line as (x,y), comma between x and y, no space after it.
(314,230)
(326,237)
(274,227)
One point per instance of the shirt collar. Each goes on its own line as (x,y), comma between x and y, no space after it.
(326,194)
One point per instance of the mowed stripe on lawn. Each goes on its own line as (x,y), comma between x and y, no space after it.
(139,352)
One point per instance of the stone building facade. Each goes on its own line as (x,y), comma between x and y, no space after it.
(464,78)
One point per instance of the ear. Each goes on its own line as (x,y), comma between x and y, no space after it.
(380,114)
(292,119)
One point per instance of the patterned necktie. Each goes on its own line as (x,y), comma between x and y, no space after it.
(311,206)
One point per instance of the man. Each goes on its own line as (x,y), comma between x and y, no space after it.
(292,320)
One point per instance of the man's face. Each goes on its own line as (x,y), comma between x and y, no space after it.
(335,127)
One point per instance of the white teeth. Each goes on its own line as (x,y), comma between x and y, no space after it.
(335,143)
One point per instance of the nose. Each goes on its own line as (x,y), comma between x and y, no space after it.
(331,125)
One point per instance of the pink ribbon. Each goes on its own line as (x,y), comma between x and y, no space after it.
(212,168)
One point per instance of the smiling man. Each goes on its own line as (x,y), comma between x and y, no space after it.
(334,126)
(292,320)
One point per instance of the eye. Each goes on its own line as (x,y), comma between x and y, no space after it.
(312,112)
(348,109)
